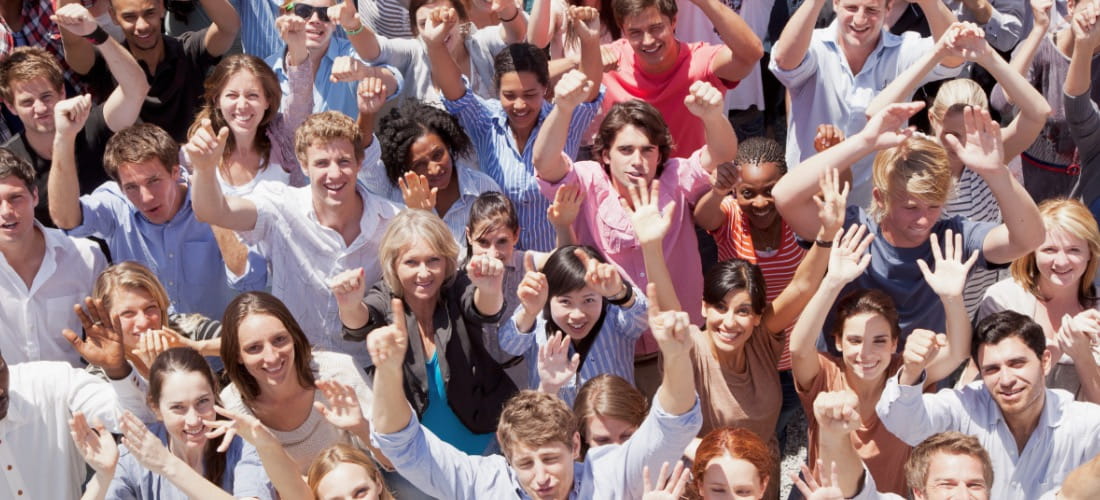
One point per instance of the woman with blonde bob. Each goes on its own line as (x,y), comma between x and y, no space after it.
(344,472)
(444,309)
(1054,285)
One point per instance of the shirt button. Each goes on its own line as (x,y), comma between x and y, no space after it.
(171,255)
(171,283)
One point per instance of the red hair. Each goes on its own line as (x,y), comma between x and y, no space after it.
(737,443)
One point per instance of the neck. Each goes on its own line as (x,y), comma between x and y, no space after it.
(424,309)
(40,142)
(866,390)
(192,457)
(856,57)
(447,197)
(1021,425)
(768,235)
(343,217)
(1057,295)
(283,393)
(735,360)
(664,65)
(151,57)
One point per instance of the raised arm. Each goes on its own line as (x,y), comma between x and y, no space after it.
(948,281)
(210,204)
(486,273)
(837,416)
(651,225)
(97,446)
(673,331)
(902,88)
(939,19)
(64,187)
(1086,39)
(280,468)
(1025,52)
(224,25)
(708,104)
(708,212)
(983,153)
(79,52)
(847,260)
(562,213)
(362,38)
(794,193)
(513,20)
(124,104)
(387,346)
(446,75)
(541,27)
(789,51)
(547,155)
(586,23)
(349,288)
(743,48)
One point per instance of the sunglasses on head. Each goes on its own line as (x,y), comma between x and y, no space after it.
(306,11)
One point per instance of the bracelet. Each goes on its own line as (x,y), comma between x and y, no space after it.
(627,294)
(823,244)
(510,19)
(355,31)
(97,37)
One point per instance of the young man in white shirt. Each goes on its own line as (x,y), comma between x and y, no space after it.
(43,272)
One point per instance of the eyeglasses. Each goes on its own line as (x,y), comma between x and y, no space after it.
(306,11)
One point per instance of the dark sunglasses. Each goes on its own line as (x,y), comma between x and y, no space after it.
(306,11)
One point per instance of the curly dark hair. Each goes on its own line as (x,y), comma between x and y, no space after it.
(399,129)
(761,150)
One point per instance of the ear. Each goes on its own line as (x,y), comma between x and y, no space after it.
(576,446)
(468,238)
(879,199)
(1045,362)
(703,309)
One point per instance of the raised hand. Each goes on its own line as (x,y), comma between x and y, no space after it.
(650,225)
(672,330)
(837,412)
(1040,11)
(556,368)
(349,287)
(416,191)
(533,291)
(670,487)
(103,346)
(370,94)
(983,151)
(949,279)
(610,59)
(724,178)
(70,115)
(703,100)
(292,29)
(1078,335)
(1085,17)
(921,348)
(347,69)
(152,343)
(345,14)
(585,22)
(828,135)
(439,24)
(890,127)
(206,146)
(486,272)
(849,257)
(247,427)
(831,202)
(812,489)
(602,277)
(566,206)
(143,445)
(95,444)
(387,345)
(75,19)
(968,40)
(571,89)
(343,410)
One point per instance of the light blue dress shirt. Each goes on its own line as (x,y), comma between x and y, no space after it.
(1067,435)
(182,253)
(608,472)
(258,34)
(327,94)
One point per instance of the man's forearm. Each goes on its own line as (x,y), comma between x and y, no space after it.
(795,39)
(391,410)
(733,30)
(64,188)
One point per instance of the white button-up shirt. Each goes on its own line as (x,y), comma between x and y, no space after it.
(31,319)
(824,91)
(1068,433)
(304,256)
(38,458)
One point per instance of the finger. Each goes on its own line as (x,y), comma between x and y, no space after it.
(647,486)
(399,315)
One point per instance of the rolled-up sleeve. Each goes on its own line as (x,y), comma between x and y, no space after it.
(912,416)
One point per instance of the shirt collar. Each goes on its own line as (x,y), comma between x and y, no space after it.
(1052,415)
(467,186)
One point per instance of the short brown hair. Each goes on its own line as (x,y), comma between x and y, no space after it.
(626,8)
(918,167)
(27,63)
(139,143)
(640,114)
(950,442)
(326,127)
(535,419)
(341,453)
(243,306)
(14,166)
(405,228)
(608,395)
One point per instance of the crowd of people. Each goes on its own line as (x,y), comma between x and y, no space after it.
(554,249)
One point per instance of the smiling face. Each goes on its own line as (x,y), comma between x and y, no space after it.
(332,169)
(908,220)
(421,271)
(866,345)
(348,481)
(1061,260)
(318,32)
(576,312)
(754,193)
(500,243)
(428,156)
(33,101)
(731,323)
(608,430)
(632,158)
(859,23)
(140,20)
(152,188)
(732,478)
(1014,375)
(652,35)
(521,96)
(546,472)
(137,311)
(267,350)
(954,476)
(17,204)
(243,102)
(186,401)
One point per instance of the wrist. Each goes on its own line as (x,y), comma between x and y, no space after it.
(97,36)
(354,30)
(513,17)
(118,372)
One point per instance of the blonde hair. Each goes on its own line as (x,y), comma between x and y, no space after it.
(956,95)
(404,230)
(130,275)
(950,443)
(535,419)
(1072,217)
(324,128)
(341,453)
(918,167)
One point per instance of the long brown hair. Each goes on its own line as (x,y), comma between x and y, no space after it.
(217,80)
(608,395)
(188,360)
(243,306)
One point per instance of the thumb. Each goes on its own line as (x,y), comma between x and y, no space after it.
(223,135)
(941,340)
(952,143)
(582,256)
(529,262)
(399,314)
(73,338)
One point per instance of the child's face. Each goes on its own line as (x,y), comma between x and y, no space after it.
(577,311)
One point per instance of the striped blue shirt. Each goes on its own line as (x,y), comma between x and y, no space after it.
(487,125)
(612,351)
